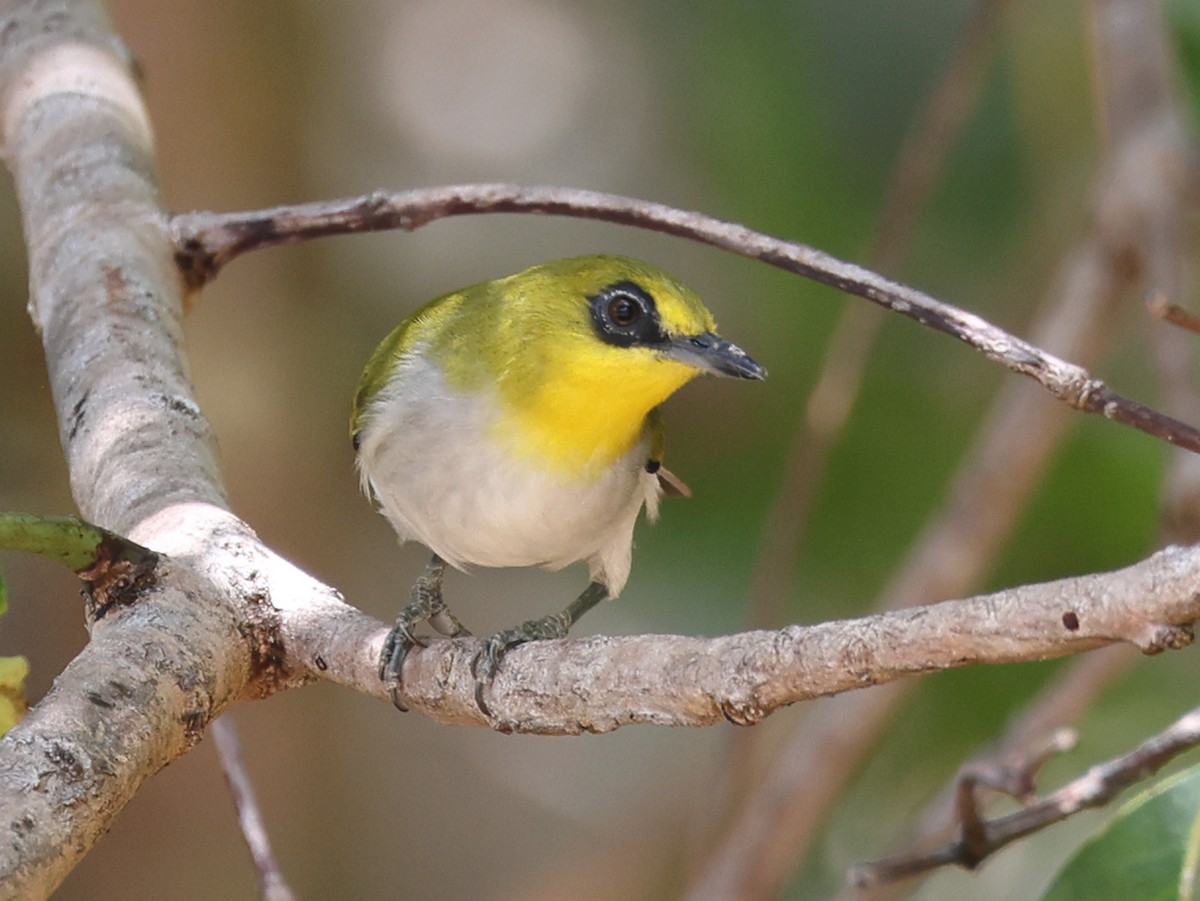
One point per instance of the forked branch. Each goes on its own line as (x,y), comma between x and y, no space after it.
(1095,788)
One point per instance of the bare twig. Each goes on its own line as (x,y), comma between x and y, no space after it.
(1059,704)
(1160,306)
(1015,777)
(1097,787)
(207,241)
(271,884)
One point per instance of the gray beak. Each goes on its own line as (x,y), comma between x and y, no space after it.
(713,354)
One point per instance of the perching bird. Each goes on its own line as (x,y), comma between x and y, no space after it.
(516,423)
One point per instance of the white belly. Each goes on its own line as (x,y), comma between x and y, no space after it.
(440,479)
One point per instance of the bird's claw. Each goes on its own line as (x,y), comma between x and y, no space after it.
(396,646)
(487,662)
(425,604)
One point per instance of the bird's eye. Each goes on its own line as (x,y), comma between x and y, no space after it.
(624,315)
(624,311)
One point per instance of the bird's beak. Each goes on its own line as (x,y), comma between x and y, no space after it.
(712,353)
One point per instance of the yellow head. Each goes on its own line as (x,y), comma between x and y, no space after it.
(577,352)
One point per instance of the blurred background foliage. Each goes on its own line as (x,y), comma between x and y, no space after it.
(786,116)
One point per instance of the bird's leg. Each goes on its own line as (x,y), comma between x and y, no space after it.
(556,625)
(425,604)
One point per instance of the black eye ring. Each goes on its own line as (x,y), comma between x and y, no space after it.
(624,310)
(624,315)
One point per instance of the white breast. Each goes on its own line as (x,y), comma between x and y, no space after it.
(427,455)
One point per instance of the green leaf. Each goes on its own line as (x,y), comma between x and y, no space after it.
(13,671)
(1148,851)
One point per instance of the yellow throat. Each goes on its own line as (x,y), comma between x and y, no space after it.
(593,411)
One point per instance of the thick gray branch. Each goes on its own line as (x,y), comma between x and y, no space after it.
(106,297)
(104,291)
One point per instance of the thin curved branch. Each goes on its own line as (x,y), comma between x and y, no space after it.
(271,884)
(207,241)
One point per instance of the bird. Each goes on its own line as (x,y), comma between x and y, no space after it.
(516,423)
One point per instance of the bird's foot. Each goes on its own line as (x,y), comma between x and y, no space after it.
(400,640)
(487,661)
(425,604)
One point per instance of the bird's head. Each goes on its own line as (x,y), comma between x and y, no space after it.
(586,347)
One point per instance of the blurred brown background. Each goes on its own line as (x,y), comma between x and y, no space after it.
(786,116)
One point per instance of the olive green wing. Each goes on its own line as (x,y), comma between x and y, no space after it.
(672,485)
